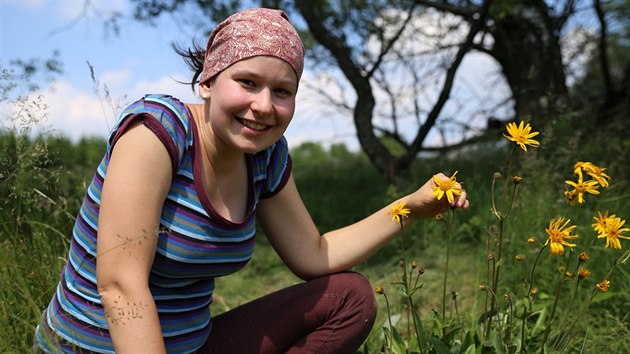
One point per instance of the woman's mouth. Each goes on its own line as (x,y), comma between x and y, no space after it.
(253,125)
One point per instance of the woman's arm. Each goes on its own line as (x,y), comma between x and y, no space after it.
(293,234)
(138,179)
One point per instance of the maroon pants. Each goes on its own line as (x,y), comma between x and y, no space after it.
(331,314)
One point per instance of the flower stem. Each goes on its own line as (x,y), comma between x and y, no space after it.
(449,222)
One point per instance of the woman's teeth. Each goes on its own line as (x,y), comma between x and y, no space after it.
(253,125)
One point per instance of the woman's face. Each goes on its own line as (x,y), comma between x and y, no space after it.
(250,104)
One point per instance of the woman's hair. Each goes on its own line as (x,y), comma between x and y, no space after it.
(193,57)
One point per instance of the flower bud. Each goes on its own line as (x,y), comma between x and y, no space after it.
(584,272)
(534,291)
(379,290)
(497,175)
(414,264)
(531,239)
(421,270)
(584,256)
(517,179)
(519,257)
(491,256)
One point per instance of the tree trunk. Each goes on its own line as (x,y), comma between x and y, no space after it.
(526,45)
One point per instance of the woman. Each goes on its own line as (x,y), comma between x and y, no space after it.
(173,205)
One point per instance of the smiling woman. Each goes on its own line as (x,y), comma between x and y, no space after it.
(174,203)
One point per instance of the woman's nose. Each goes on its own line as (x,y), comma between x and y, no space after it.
(262,102)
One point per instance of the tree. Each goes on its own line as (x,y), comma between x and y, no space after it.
(401,87)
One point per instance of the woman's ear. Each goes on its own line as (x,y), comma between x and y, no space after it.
(204,91)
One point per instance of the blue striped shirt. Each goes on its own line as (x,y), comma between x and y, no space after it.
(195,244)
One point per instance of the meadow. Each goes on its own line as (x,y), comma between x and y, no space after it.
(542,299)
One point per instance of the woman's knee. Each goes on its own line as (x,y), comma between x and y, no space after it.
(358,292)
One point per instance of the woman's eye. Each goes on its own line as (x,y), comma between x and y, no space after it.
(246,82)
(283,92)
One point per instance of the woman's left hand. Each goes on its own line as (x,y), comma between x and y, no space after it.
(424,204)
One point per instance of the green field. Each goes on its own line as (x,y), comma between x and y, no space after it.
(42,180)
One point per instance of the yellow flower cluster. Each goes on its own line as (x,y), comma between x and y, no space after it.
(611,228)
(598,178)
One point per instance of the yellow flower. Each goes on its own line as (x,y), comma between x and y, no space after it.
(521,135)
(580,188)
(399,211)
(613,232)
(584,256)
(596,173)
(601,222)
(584,272)
(379,290)
(446,186)
(603,286)
(558,235)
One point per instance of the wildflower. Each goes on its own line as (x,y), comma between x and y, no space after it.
(483,287)
(447,186)
(531,239)
(521,135)
(439,217)
(584,256)
(517,179)
(421,270)
(496,175)
(613,232)
(583,272)
(580,188)
(491,256)
(414,264)
(601,222)
(533,291)
(399,211)
(379,290)
(506,296)
(596,173)
(558,235)
(520,257)
(603,286)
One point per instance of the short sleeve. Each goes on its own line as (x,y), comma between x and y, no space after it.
(166,116)
(272,168)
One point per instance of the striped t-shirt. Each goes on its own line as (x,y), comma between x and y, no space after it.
(195,243)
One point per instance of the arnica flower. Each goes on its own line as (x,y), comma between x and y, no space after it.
(580,188)
(558,234)
(584,272)
(603,286)
(596,173)
(521,135)
(584,256)
(446,186)
(613,232)
(399,211)
(601,222)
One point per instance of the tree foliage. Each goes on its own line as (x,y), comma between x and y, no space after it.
(393,65)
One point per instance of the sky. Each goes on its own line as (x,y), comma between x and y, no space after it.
(136,62)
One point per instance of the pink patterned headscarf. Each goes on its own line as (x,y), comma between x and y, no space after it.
(251,33)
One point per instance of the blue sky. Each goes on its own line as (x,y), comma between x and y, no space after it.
(138,61)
